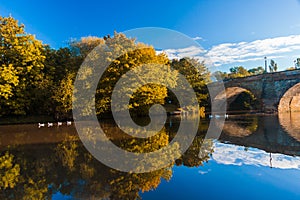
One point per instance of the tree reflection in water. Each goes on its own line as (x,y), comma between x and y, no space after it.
(195,155)
(39,171)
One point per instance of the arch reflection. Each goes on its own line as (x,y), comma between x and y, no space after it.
(291,123)
(239,127)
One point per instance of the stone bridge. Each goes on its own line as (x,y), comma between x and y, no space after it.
(278,91)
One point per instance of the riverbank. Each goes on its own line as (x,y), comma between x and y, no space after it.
(10,120)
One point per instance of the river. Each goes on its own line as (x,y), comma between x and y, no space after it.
(255,157)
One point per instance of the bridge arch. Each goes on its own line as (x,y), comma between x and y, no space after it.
(290,101)
(232,93)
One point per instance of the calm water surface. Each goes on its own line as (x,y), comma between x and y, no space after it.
(255,158)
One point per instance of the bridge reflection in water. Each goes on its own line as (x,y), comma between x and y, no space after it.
(274,134)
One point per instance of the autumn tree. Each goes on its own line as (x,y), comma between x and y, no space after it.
(62,97)
(132,55)
(20,67)
(85,45)
(9,171)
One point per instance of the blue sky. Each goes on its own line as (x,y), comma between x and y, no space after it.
(232,33)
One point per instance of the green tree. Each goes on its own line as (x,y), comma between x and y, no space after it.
(21,65)
(59,63)
(256,71)
(297,63)
(196,74)
(236,72)
(199,152)
(273,66)
(59,66)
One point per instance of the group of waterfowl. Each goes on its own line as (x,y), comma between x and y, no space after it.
(50,124)
(218,116)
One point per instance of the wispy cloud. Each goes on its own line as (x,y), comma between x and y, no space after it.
(197,38)
(191,51)
(250,51)
(240,52)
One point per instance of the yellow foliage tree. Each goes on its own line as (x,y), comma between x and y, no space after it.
(21,65)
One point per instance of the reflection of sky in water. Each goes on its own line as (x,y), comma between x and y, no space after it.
(233,173)
(229,154)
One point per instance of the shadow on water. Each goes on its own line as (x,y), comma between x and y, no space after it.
(41,163)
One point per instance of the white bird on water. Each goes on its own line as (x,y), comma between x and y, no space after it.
(218,116)
(59,123)
(69,123)
(41,125)
(50,124)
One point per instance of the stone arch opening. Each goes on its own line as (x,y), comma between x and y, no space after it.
(239,100)
(290,101)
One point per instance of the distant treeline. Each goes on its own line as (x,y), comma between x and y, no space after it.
(240,71)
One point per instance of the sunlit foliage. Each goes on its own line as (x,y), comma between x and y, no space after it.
(21,64)
(9,171)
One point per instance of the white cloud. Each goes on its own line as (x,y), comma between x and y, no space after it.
(191,51)
(250,51)
(197,38)
(240,52)
(229,154)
